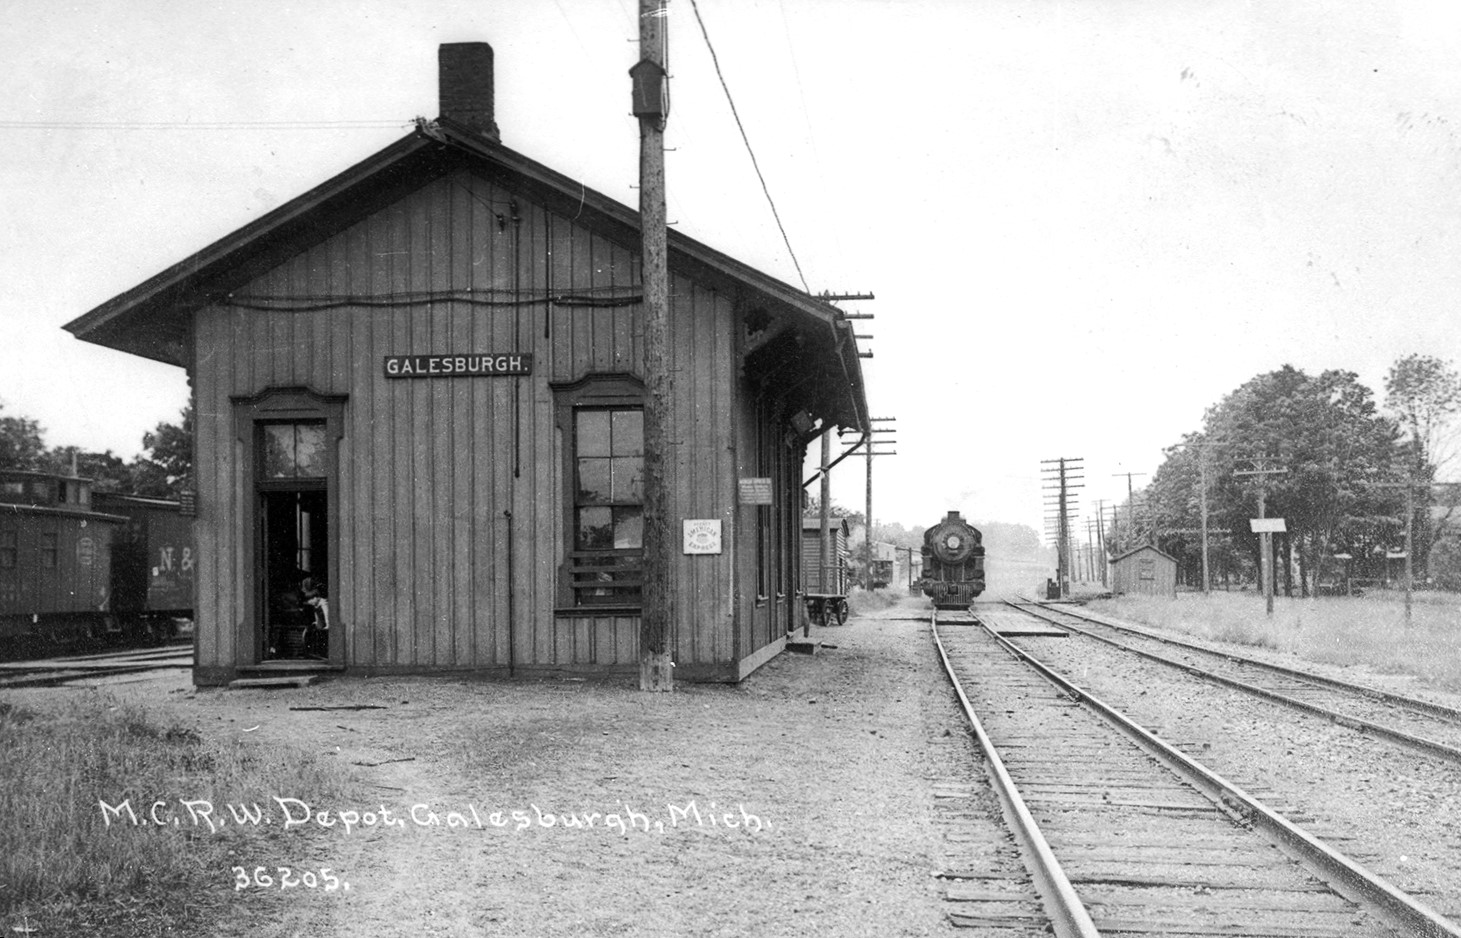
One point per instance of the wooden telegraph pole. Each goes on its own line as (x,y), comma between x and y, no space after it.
(1265,528)
(1410,486)
(656,670)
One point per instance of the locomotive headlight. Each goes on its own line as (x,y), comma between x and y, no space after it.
(953,542)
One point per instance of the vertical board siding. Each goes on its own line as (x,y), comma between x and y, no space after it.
(427,468)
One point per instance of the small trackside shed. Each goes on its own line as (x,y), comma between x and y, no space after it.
(1144,571)
(419,386)
(839,574)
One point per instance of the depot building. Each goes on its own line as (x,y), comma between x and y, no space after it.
(418,392)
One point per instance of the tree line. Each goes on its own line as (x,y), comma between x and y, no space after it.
(1320,452)
(162,470)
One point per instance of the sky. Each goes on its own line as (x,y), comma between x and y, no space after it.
(1084,221)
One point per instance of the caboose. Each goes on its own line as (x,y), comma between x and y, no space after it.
(55,561)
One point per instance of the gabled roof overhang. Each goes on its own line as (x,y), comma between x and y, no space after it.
(153,319)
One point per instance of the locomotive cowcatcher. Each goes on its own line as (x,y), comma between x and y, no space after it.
(953,563)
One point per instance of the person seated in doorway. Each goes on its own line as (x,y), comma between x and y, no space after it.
(317,633)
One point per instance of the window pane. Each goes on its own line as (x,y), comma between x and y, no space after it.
(593,481)
(593,433)
(595,529)
(309,449)
(628,480)
(278,450)
(628,527)
(628,432)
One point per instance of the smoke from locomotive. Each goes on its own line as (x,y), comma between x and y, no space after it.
(953,563)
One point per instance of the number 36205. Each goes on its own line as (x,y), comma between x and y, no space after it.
(285,877)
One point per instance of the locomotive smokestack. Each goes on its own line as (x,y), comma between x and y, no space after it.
(464,86)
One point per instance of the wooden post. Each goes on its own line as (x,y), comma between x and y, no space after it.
(656,669)
(1409,548)
(824,549)
(867,572)
(1265,555)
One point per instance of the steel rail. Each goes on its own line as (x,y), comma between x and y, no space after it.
(1414,703)
(1345,876)
(1068,915)
(54,678)
(1428,746)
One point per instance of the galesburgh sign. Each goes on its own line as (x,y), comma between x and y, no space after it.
(459,365)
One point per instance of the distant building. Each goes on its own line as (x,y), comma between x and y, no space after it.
(1144,571)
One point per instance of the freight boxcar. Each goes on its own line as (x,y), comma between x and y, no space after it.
(152,566)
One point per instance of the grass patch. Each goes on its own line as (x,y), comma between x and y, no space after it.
(862,601)
(63,870)
(1368,630)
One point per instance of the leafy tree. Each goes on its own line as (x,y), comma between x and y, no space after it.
(1331,442)
(21,445)
(1425,394)
(166,467)
(108,472)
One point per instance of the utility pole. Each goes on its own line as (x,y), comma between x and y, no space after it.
(1058,478)
(867,573)
(656,669)
(1101,536)
(1130,502)
(824,543)
(1265,534)
(1410,486)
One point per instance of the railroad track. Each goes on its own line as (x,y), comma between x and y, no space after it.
(75,669)
(1416,724)
(1123,834)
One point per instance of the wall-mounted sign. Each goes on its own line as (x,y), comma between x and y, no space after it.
(85,551)
(702,535)
(1267,525)
(465,365)
(755,491)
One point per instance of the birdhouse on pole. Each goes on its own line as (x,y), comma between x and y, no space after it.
(649,90)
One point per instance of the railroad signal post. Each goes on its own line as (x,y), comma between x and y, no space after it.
(1265,527)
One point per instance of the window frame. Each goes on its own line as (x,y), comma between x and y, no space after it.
(594,392)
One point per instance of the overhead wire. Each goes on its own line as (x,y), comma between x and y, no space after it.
(200,125)
(715,60)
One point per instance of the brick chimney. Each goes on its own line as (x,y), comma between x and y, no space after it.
(464,85)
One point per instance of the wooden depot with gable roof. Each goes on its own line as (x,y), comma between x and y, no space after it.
(419,386)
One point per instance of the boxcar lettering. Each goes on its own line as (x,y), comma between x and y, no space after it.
(167,557)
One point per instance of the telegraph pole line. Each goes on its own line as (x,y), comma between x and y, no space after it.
(656,620)
(1064,482)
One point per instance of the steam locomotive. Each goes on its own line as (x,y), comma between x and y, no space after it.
(953,563)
